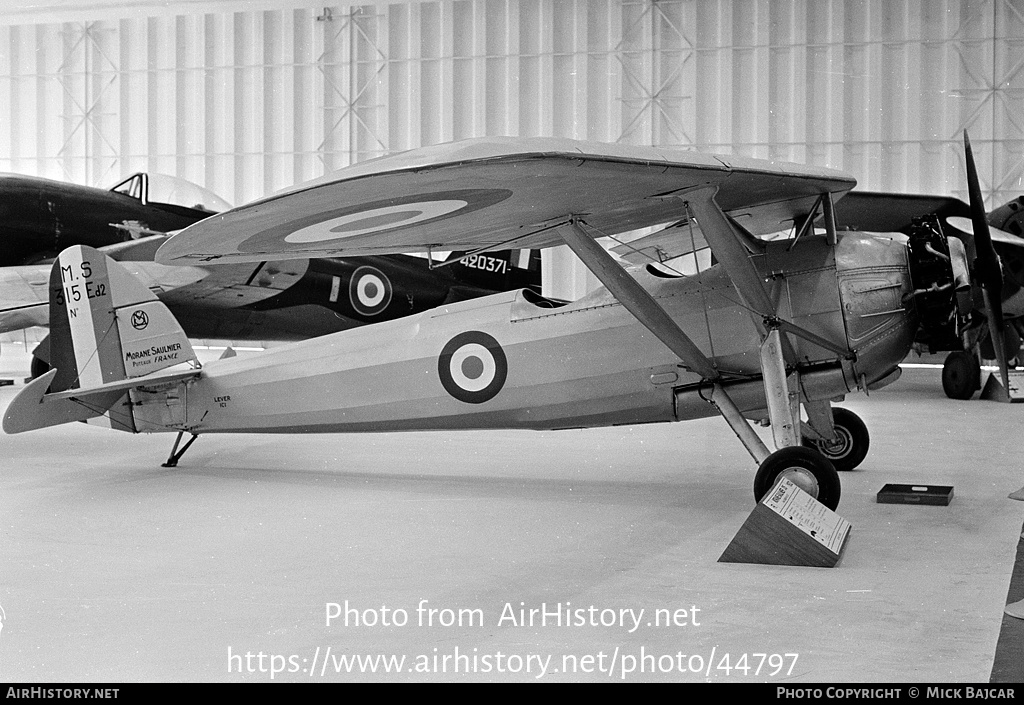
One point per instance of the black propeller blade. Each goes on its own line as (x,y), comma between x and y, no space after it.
(987,269)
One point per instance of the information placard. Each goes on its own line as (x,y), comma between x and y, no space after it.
(789,527)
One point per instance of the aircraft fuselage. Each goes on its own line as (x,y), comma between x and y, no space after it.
(511,360)
(41,217)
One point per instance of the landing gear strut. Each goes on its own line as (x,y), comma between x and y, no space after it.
(781,378)
(175,456)
(808,468)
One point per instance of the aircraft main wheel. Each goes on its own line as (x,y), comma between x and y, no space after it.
(39,367)
(961,375)
(851,444)
(806,468)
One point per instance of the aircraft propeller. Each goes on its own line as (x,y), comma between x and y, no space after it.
(987,268)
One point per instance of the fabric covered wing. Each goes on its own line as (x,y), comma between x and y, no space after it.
(497,192)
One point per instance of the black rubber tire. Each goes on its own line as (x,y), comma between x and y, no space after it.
(961,375)
(852,446)
(39,367)
(808,468)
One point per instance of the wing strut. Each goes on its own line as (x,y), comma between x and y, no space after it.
(636,299)
(776,351)
(780,392)
(729,250)
(649,312)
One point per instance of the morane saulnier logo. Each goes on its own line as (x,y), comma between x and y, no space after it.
(140,320)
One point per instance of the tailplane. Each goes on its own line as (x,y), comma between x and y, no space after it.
(108,335)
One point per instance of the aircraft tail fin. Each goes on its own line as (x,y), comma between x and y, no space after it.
(499,271)
(105,325)
(107,329)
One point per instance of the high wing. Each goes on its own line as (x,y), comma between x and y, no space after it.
(497,193)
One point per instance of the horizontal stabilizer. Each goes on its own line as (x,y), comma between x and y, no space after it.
(156,379)
(32,408)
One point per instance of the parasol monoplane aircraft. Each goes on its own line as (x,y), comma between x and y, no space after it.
(773,327)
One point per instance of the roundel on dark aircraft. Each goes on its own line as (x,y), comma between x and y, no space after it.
(369,290)
(472,367)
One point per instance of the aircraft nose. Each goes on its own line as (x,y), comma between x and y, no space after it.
(876,291)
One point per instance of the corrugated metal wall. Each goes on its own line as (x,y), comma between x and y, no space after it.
(247,102)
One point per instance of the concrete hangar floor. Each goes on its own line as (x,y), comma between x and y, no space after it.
(244,563)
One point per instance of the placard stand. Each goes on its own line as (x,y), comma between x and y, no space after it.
(789,527)
(993,389)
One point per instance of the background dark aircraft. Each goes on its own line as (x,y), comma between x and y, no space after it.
(297,299)
(40,217)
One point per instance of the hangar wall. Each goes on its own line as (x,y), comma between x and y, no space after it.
(248,98)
